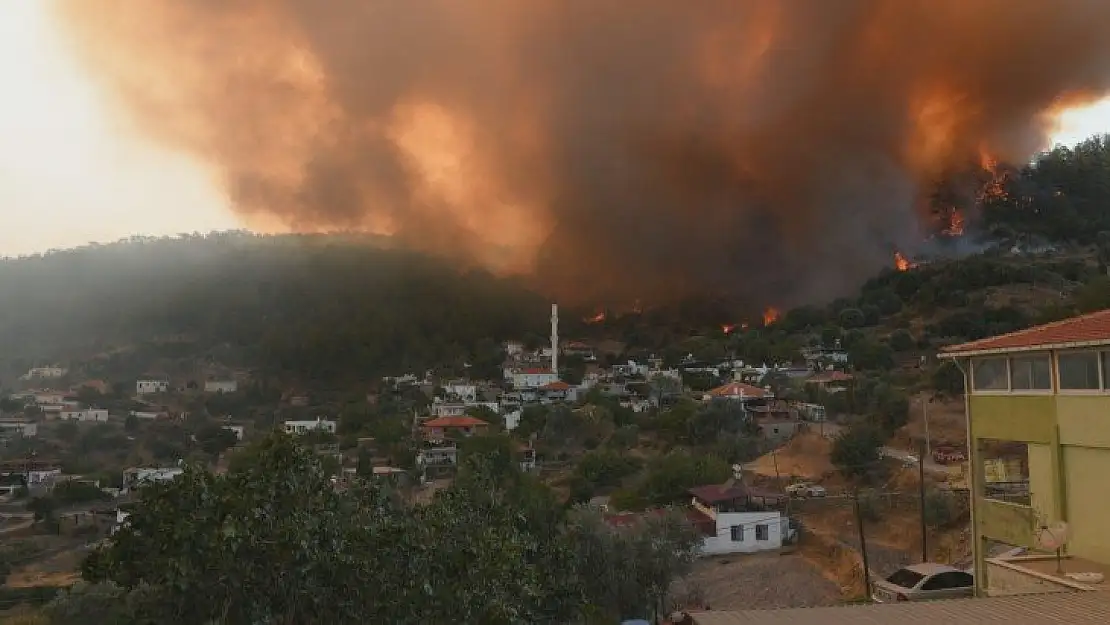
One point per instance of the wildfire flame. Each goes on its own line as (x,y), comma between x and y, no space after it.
(727,328)
(955,226)
(901,263)
(598,318)
(770,315)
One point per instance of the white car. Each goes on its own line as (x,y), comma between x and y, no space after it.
(805,489)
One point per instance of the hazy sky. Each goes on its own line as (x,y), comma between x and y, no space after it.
(71,172)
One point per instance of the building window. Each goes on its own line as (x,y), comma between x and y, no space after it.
(989,374)
(1031,373)
(762,532)
(737,533)
(1079,371)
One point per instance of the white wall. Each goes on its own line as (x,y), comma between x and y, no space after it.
(221,386)
(723,543)
(146,387)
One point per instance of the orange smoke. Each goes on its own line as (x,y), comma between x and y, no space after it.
(770,315)
(610,150)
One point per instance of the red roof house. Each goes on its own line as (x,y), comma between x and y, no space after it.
(1090,330)
(444,427)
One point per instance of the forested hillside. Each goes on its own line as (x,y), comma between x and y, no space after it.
(333,306)
(341,308)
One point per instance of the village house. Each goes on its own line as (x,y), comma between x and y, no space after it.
(45,373)
(739,391)
(556,391)
(151,386)
(830,381)
(444,428)
(237,430)
(462,391)
(447,409)
(49,398)
(84,415)
(775,419)
(221,386)
(437,459)
(303,427)
(738,519)
(19,427)
(532,378)
(135,477)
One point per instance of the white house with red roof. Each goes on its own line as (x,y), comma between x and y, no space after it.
(452,427)
(739,391)
(737,519)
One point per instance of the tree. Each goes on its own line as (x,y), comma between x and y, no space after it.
(901,341)
(858,450)
(360,556)
(625,572)
(851,318)
(214,439)
(947,378)
(869,355)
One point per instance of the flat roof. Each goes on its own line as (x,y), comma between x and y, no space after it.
(1073,608)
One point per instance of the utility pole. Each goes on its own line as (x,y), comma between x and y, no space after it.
(925,411)
(921,489)
(862,548)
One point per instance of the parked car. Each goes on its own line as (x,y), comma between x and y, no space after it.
(805,489)
(922,582)
(946,455)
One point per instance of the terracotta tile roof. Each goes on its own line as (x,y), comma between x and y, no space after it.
(737,389)
(830,376)
(454,422)
(1089,328)
(715,493)
(557,385)
(1072,608)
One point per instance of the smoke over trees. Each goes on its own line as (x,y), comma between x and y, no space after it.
(614,150)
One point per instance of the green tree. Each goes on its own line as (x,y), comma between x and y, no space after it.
(947,378)
(360,555)
(858,450)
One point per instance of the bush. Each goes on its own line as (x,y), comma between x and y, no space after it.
(871,506)
(858,450)
(941,508)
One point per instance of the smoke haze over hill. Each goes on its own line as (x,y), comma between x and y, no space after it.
(775,149)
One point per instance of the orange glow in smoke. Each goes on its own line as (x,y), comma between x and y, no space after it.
(727,328)
(598,318)
(770,315)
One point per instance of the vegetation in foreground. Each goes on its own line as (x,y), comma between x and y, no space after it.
(277,542)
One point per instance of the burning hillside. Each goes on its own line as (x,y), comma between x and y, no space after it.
(777,150)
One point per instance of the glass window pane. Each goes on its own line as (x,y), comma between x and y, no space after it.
(1079,370)
(1030,373)
(989,374)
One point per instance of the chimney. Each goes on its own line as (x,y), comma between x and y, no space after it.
(555,339)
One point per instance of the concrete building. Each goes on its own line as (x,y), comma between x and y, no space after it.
(21,427)
(302,427)
(151,387)
(737,519)
(1039,441)
(221,386)
(84,415)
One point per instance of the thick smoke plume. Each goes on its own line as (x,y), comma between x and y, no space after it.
(774,149)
